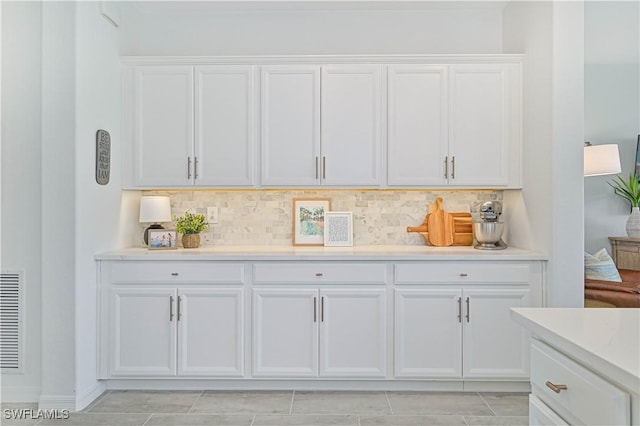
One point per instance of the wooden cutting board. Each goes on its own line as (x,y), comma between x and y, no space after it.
(462,227)
(440,225)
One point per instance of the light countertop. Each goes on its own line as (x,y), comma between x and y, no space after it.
(606,340)
(372,252)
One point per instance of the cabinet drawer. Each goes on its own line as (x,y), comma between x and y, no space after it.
(177,272)
(326,273)
(461,272)
(587,399)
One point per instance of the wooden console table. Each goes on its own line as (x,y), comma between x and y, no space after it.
(626,252)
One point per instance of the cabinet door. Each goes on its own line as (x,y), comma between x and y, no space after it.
(428,333)
(417,125)
(163,125)
(494,345)
(290,125)
(285,332)
(351,122)
(478,114)
(210,332)
(143,331)
(541,415)
(224,131)
(353,336)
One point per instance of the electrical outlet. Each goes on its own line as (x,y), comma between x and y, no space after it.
(212,215)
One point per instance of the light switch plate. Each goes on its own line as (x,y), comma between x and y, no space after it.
(212,215)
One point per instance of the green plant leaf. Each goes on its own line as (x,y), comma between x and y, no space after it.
(191,223)
(627,189)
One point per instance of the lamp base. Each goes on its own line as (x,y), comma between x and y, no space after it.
(146,232)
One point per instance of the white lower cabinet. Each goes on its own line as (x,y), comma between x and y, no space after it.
(541,415)
(319,332)
(161,331)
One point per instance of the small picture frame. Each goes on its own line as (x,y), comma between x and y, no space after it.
(338,229)
(162,239)
(308,220)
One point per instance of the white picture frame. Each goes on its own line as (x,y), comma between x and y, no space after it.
(338,229)
(308,220)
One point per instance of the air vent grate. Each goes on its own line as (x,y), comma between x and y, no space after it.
(11,309)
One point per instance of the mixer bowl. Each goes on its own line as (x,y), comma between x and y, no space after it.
(488,232)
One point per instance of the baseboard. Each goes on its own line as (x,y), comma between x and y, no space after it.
(87,396)
(57,402)
(20,394)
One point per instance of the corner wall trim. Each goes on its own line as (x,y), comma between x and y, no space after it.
(57,402)
(87,396)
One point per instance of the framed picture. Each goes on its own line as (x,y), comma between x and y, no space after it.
(338,229)
(162,239)
(308,220)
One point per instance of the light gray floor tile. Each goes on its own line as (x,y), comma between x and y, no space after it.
(412,421)
(99,419)
(340,403)
(306,420)
(508,404)
(224,402)
(146,402)
(438,403)
(497,421)
(199,420)
(19,416)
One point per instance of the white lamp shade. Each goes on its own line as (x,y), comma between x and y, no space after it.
(155,209)
(601,160)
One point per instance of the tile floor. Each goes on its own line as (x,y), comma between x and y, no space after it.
(302,408)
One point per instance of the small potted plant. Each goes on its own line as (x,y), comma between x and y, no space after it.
(629,189)
(190,225)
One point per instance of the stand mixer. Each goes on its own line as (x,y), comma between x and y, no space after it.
(488,231)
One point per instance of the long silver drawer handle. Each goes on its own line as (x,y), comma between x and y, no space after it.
(459,309)
(556,388)
(188,167)
(315,309)
(170,308)
(179,302)
(446,167)
(467,309)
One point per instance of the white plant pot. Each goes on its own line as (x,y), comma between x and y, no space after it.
(633,223)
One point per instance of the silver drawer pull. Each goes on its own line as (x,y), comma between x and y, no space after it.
(464,274)
(174,274)
(319,274)
(556,388)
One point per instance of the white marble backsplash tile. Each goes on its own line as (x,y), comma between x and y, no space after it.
(264,217)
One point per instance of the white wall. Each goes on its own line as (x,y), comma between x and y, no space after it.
(21,176)
(97,207)
(167,29)
(547,215)
(58,201)
(612,109)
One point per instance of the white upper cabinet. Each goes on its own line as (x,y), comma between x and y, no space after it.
(290,130)
(321,125)
(162,125)
(351,123)
(455,125)
(418,126)
(187,132)
(225,128)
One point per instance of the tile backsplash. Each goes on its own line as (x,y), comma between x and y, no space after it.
(263,217)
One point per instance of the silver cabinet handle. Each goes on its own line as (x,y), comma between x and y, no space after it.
(170,308)
(179,302)
(446,167)
(324,167)
(453,167)
(195,168)
(174,274)
(316,167)
(459,309)
(319,274)
(188,167)
(556,388)
(464,274)
(315,309)
(467,316)
(322,309)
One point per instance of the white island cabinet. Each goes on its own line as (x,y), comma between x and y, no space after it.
(419,318)
(585,365)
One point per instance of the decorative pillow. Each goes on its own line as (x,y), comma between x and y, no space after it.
(600,266)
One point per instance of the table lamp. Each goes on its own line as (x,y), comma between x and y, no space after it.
(601,160)
(153,210)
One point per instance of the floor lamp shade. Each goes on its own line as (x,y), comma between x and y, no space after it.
(601,160)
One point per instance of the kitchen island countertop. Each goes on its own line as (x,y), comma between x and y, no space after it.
(371,252)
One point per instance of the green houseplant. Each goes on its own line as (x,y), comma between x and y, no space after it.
(629,189)
(190,225)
